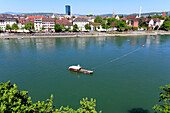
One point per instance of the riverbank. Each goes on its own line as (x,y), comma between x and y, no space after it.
(94,34)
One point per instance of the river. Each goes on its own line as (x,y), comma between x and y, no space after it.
(126,75)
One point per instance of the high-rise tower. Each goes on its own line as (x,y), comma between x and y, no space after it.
(140,12)
(68,10)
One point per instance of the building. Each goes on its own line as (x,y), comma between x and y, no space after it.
(96,26)
(163,14)
(169,13)
(48,24)
(67,23)
(68,10)
(7,21)
(81,22)
(117,17)
(132,22)
(38,24)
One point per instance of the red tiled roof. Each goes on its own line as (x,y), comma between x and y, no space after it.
(131,17)
(65,22)
(48,19)
(37,16)
(23,21)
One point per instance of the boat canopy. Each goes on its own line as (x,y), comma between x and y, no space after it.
(78,67)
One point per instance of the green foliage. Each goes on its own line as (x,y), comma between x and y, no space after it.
(89,15)
(75,27)
(14,27)
(98,27)
(111,20)
(165,25)
(87,27)
(121,25)
(29,26)
(68,29)
(104,26)
(63,27)
(121,16)
(142,23)
(164,100)
(87,106)
(134,28)
(98,19)
(95,26)
(14,101)
(157,16)
(156,28)
(56,18)
(57,28)
(43,28)
(8,27)
(167,18)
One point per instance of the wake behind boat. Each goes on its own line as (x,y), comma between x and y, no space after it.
(78,69)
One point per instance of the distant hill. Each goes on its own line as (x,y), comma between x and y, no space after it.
(50,14)
(150,13)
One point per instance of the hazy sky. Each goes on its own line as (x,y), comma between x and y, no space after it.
(84,6)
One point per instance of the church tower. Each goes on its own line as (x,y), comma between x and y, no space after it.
(113,15)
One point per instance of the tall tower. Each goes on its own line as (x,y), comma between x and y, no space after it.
(113,15)
(140,12)
(53,14)
(68,10)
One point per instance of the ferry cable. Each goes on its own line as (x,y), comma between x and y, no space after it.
(118,58)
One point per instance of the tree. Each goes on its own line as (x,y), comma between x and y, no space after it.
(103,25)
(134,28)
(75,27)
(121,25)
(165,25)
(43,28)
(29,26)
(56,18)
(8,27)
(68,29)
(95,26)
(156,28)
(113,24)
(111,20)
(14,101)
(62,27)
(164,100)
(14,27)
(140,22)
(89,15)
(57,28)
(98,19)
(121,16)
(87,27)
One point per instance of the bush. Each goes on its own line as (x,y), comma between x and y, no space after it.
(134,28)
(12,100)
(164,100)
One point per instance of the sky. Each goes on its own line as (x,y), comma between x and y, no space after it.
(96,7)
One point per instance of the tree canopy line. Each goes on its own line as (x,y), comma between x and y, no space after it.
(13,100)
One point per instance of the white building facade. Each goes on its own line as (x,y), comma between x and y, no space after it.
(81,22)
(38,24)
(7,21)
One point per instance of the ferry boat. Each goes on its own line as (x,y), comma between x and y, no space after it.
(79,69)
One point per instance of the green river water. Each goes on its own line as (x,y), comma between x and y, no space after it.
(40,66)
